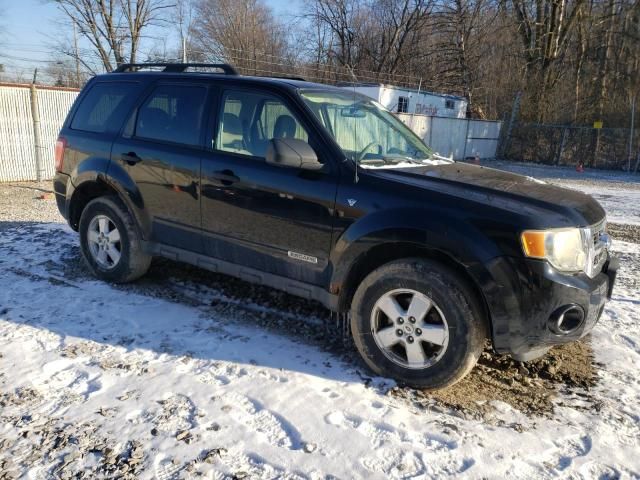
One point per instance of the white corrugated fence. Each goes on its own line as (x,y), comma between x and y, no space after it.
(17,141)
(457,137)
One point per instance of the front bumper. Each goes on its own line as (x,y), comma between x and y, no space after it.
(524,294)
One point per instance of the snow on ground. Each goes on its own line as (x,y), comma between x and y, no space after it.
(101,381)
(617,192)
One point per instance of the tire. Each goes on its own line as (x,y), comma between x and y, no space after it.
(132,262)
(454,321)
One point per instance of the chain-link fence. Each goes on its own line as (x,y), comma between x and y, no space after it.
(606,148)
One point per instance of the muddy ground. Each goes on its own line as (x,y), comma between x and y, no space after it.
(529,387)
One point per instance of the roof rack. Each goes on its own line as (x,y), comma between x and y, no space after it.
(176,67)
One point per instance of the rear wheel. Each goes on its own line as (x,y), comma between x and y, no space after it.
(110,243)
(418,322)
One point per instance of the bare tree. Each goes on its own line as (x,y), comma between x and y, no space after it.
(545,27)
(393,32)
(113,28)
(376,38)
(344,20)
(62,73)
(243,32)
(462,29)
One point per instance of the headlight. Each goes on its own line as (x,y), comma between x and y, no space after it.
(567,249)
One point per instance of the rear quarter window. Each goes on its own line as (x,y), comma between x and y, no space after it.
(100,109)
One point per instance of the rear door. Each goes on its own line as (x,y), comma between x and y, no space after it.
(161,149)
(274,219)
(94,121)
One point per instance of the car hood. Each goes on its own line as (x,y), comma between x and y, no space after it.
(501,189)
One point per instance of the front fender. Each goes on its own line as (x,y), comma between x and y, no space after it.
(457,239)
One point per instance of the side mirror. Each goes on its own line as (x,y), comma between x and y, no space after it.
(290,152)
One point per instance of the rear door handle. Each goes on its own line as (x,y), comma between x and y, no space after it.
(131,158)
(227,177)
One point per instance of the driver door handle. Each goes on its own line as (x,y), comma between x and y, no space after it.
(131,158)
(227,177)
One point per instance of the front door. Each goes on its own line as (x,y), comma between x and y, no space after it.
(162,150)
(274,219)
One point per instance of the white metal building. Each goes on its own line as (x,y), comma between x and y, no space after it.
(407,100)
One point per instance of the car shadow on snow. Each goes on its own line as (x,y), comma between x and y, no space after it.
(175,308)
(205,318)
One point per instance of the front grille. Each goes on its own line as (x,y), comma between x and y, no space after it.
(598,252)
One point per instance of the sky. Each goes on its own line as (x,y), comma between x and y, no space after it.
(28,28)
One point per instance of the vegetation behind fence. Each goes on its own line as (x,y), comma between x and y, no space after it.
(567,145)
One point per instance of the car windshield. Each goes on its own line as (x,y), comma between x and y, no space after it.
(368,134)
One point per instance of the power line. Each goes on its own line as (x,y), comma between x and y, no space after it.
(287,64)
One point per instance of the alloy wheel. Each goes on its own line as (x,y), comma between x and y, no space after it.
(104,242)
(409,328)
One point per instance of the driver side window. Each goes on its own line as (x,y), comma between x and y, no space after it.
(248,121)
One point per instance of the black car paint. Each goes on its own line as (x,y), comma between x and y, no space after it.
(242,216)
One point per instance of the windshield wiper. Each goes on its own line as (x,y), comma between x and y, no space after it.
(401,158)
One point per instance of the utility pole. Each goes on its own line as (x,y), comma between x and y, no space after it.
(184,49)
(76,55)
(35,115)
(633,115)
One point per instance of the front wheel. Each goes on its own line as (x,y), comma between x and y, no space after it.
(418,322)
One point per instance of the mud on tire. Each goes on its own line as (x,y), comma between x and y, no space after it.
(133,261)
(455,312)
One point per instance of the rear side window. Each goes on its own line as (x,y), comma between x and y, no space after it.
(99,108)
(172,113)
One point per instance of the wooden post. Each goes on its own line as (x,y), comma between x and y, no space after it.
(35,115)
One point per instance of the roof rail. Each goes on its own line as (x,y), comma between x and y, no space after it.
(175,67)
(289,77)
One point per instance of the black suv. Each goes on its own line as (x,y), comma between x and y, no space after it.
(321,192)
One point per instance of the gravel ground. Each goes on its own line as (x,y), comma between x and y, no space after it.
(28,201)
(624,232)
(530,389)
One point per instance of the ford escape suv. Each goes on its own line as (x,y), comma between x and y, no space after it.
(322,193)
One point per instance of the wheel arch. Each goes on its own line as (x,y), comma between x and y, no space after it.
(383,253)
(114,181)
(83,194)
